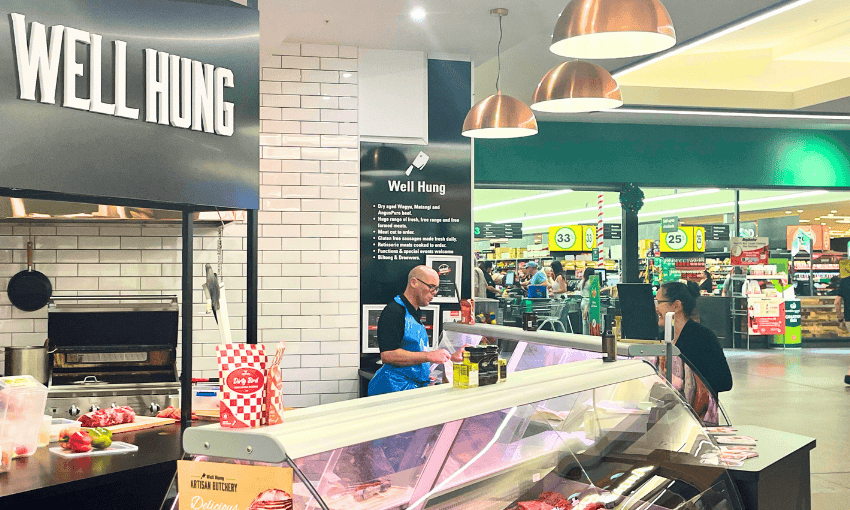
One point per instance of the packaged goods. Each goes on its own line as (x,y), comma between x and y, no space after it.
(22,401)
(242,372)
(503,370)
(274,389)
(466,373)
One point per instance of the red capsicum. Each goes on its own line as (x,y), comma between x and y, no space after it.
(79,442)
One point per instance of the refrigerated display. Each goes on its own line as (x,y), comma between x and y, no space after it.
(525,350)
(583,435)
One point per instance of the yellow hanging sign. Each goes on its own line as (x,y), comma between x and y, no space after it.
(685,239)
(572,238)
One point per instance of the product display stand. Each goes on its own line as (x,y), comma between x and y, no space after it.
(739,308)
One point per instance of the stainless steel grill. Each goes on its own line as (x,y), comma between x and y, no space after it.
(112,351)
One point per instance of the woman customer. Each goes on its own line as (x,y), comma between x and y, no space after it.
(698,344)
(706,284)
(584,287)
(558,287)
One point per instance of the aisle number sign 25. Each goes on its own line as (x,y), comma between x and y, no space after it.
(686,239)
(572,238)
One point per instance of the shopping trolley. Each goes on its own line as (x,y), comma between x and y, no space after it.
(551,321)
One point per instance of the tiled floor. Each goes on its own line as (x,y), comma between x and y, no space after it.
(799,391)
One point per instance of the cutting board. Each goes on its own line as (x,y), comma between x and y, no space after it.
(142,422)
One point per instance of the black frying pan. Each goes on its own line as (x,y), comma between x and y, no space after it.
(29,290)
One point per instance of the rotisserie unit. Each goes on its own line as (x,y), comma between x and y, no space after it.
(112,351)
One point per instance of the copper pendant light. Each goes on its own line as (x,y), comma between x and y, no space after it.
(593,29)
(577,86)
(499,115)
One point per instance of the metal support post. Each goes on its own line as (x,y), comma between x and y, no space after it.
(253,259)
(187,314)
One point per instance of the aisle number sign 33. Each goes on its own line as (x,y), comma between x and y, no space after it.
(572,238)
(686,239)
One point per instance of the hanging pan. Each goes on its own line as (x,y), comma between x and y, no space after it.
(29,290)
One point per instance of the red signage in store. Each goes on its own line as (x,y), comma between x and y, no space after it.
(766,316)
(749,251)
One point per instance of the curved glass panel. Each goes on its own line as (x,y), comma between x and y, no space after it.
(527,355)
(633,445)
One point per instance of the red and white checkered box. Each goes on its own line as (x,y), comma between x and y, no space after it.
(241,370)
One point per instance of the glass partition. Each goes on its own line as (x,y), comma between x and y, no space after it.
(525,355)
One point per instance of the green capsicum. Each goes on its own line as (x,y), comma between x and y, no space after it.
(101,438)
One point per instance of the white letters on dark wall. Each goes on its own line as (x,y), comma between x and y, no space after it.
(179,92)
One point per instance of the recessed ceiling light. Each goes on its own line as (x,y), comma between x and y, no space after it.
(833,212)
(346,75)
(805,221)
(822,223)
(787,212)
(417,14)
(799,210)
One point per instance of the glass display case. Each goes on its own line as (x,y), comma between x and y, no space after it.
(583,435)
(533,349)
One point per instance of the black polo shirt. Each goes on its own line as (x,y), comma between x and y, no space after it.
(391,324)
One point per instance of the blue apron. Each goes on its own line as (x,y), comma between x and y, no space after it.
(390,378)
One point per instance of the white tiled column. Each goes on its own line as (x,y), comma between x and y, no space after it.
(310,220)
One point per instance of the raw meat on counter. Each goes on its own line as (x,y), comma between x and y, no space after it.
(173,413)
(107,417)
(550,500)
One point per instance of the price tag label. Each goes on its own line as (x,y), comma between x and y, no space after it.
(699,239)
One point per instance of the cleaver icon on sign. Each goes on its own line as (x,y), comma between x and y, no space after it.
(419,162)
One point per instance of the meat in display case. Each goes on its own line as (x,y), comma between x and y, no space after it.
(583,435)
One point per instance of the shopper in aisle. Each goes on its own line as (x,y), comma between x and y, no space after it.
(559,283)
(487,268)
(706,284)
(403,340)
(698,344)
(479,283)
(727,289)
(535,277)
(584,288)
(842,297)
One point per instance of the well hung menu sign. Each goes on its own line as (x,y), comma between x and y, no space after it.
(415,200)
(137,100)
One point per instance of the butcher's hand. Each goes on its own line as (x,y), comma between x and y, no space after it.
(438,356)
(457,357)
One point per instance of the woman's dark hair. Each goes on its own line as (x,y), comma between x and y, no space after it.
(587,274)
(686,294)
(707,274)
(486,265)
(557,269)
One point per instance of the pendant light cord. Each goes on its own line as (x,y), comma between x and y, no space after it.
(499,55)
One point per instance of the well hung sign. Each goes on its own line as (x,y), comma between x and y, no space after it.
(151,100)
(196,89)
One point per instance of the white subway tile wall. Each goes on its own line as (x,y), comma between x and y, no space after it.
(309,219)
(123,260)
(309,238)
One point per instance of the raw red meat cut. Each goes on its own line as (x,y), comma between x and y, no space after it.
(107,417)
(556,499)
(534,505)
